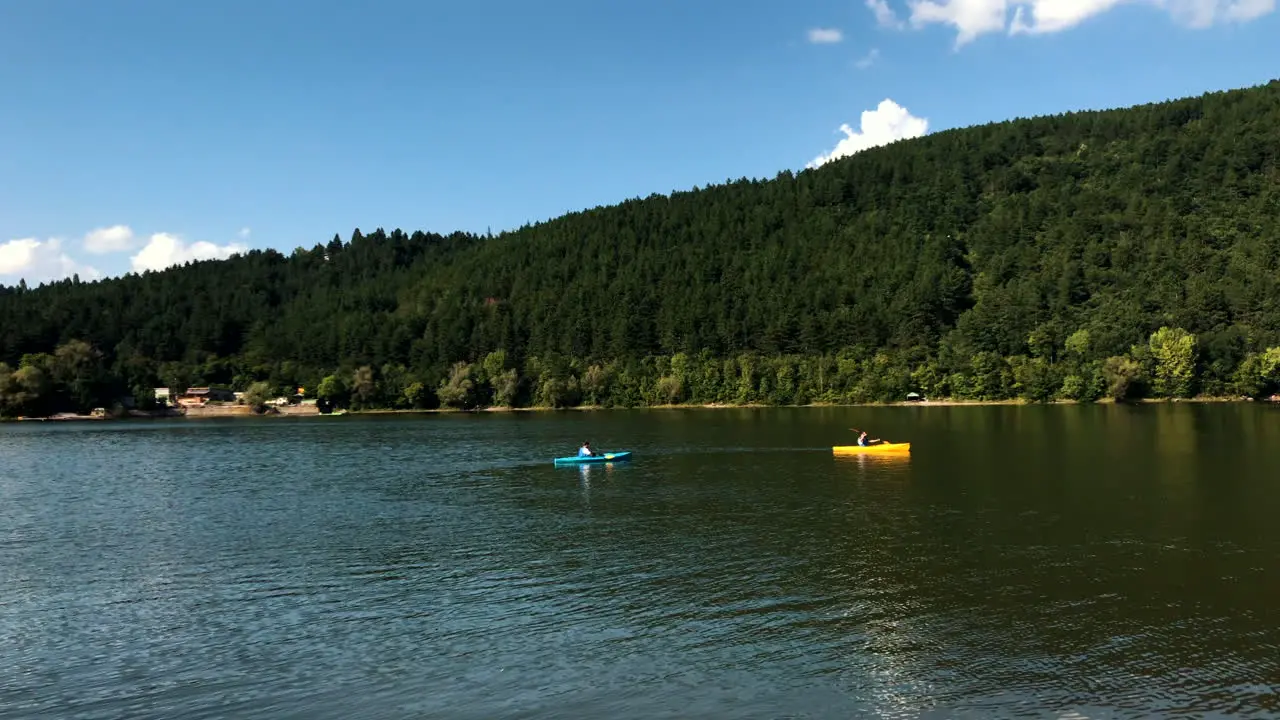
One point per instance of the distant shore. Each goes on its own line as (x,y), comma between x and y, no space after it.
(243,411)
(946,402)
(170,413)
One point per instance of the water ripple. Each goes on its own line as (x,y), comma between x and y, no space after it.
(443,568)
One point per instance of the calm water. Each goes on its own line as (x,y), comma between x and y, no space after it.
(1058,562)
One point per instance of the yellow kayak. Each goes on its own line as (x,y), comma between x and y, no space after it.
(883,448)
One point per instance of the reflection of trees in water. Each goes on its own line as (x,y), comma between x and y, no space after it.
(1029,551)
(1098,554)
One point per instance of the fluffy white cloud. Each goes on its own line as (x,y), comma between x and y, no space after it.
(972,18)
(164,250)
(825,36)
(1050,16)
(885,16)
(116,238)
(869,59)
(888,123)
(38,261)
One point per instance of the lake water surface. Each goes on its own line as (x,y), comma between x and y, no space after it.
(1057,562)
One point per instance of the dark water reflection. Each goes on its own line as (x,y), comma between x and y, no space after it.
(1060,562)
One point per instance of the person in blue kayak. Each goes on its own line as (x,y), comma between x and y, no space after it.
(865,441)
(586,451)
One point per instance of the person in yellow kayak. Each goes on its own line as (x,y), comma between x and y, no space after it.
(586,451)
(865,441)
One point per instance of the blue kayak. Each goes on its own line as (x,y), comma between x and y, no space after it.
(602,457)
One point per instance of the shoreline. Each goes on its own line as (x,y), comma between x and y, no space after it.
(944,402)
(755,406)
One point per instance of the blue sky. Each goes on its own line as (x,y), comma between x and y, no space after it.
(139,133)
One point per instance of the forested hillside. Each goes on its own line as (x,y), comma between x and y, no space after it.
(1115,253)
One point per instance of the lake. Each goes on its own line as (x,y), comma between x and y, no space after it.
(1055,561)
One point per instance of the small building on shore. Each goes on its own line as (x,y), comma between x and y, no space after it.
(297,398)
(200,396)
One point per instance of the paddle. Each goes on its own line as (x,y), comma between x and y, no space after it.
(870,442)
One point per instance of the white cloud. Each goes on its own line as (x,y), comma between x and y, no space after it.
(885,16)
(164,250)
(1246,10)
(888,123)
(972,18)
(38,261)
(1205,13)
(1050,16)
(869,59)
(243,234)
(116,238)
(825,36)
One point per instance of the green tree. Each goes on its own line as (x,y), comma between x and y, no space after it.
(393,380)
(505,388)
(176,376)
(558,392)
(1035,378)
(415,395)
(494,364)
(1259,374)
(458,390)
(1174,350)
(670,390)
(144,397)
(9,390)
(1078,346)
(595,384)
(77,371)
(493,372)
(1073,387)
(1123,376)
(364,387)
(30,391)
(257,395)
(332,390)
(991,377)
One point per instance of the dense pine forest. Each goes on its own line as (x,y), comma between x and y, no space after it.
(1126,253)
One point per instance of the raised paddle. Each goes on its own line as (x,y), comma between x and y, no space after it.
(872,441)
